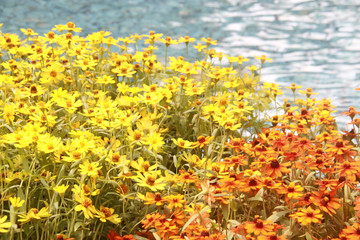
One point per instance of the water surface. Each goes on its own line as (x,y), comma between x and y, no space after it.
(313,43)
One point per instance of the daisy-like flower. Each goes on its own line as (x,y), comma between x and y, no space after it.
(168,41)
(175,201)
(106,79)
(259,227)
(4,225)
(183,143)
(155,140)
(293,87)
(53,74)
(86,205)
(124,70)
(34,214)
(308,92)
(151,198)
(107,214)
(203,141)
(307,216)
(186,40)
(352,232)
(199,47)
(292,191)
(143,166)
(16,202)
(276,169)
(150,180)
(327,201)
(263,58)
(61,189)
(49,144)
(209,41)
(90,169)
(69,104)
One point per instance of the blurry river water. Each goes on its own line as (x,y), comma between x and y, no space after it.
(314,43)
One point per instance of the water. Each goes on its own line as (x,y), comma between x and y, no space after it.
(314,43)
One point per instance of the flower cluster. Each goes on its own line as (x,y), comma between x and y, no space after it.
(101,139)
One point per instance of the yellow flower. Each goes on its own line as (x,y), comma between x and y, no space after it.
(199,47)
(124,70)
(53,74)
(307,216)
(49,144)
(69,104)
(4,225)
(183,143)
(83,144)
(186,40)
(61,189)
(106,214)
(70,26)
(28,32)
(85,205)
(34,214)
(168,41)
(155,141)
(9,113)
(151,181)
(209,41)
(293,87)
(105,80)
(90,169)
(253,68)
(203,141)
(134,135)
(142,166)
(263,58)
(16,202)
(86,64)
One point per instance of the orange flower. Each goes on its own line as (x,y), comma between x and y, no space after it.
(167,229)
(151,219)
(253,184)
(306,216)
(349,169)
(326,201)
(186,177)
(178,217)
(259,227)
(229,183)
(272,237)
(305,200)
(341,150)
(292,191)
(203,141)
(275,169)
(304,144)
(151,198)
(235,143)
(351,113)
(175,201)
(352,232)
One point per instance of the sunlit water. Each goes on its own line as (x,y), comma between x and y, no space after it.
(313,43)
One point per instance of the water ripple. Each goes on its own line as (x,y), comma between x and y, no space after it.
(313,43)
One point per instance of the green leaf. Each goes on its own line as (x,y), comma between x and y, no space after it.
(277,215)
(21,195)
(258,196)
(308,236)
(156,236)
